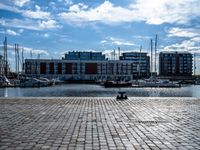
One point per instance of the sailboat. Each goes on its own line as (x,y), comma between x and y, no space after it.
(4,81)
(153,81)
(116,83)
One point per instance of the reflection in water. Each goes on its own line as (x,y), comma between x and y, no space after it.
(153,93)
(98,91)
(6,92)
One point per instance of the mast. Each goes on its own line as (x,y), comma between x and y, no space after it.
(151,57)
(114,54)
(22,59)
(18,61)
(119,51)
(155,52)
(31,54)
(5,57)
(16,58)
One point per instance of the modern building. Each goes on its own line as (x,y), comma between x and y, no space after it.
(87,66)
(175,64)
(140,63)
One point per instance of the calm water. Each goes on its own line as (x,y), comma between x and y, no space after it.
(99,91)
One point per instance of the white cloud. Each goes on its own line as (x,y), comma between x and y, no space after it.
(27,50)
(167,11)
(183,32)
(41,52)
(11,32)
(21,30)
(37,7)
(78,7)
(37,14)
(30,24)
(21,3)
(46,35)
(192,42)
(186,45)
(105,13)
(52,3)
(34,51)
(49,24)
(103,41)
(68,2)
(9,8)
(196,39)
(152,12)
(117,41)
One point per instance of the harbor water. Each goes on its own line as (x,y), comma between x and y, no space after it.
(93,90)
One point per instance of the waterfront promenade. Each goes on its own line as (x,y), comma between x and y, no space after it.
(99,123)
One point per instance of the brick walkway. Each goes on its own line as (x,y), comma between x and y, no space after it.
(100,123)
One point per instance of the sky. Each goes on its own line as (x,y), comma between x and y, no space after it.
(50,28)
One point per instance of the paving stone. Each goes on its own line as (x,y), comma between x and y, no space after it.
(99,123)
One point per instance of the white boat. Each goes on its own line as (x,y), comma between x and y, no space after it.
(47,81)
(154,82)
(4,81)
(34,82)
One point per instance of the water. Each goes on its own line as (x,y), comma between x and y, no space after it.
(92,90)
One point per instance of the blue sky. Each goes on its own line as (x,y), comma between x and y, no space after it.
(52,27)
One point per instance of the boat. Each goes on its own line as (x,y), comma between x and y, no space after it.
(34,82)
(57,81)
(108,84)
(155,82)
(4,81)
(47,81)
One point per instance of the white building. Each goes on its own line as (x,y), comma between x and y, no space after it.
(81,69)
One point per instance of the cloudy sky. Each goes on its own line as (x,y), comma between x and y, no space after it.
(53,27)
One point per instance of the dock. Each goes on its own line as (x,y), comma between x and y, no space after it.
(99,123)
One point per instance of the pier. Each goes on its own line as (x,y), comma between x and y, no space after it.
(99,123)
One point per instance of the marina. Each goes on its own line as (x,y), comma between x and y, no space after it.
(129,69)
(99,75)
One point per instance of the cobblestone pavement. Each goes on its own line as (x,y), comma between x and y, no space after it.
(99,123)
